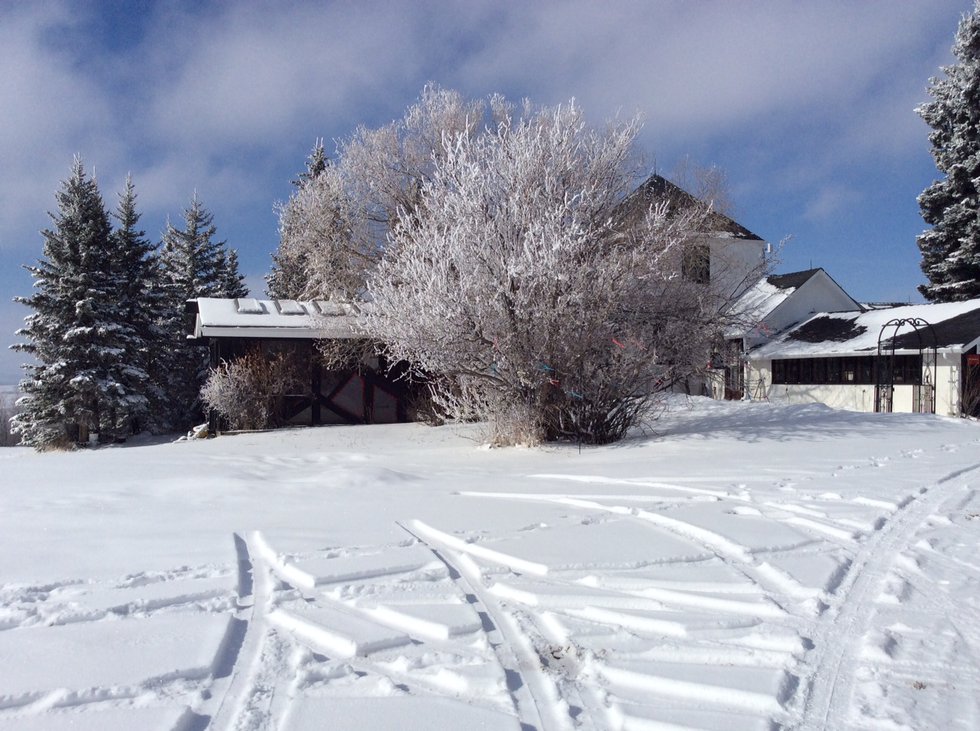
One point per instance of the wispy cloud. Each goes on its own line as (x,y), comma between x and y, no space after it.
(830,201)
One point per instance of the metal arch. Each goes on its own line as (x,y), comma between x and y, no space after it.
(885,377)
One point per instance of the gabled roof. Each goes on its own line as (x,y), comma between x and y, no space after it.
(762,299)
(793,280)
(255,318)
(956,326)
(656,188)
(755,303)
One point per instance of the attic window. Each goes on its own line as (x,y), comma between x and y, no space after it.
(289,307)
(696,264)
(249,306)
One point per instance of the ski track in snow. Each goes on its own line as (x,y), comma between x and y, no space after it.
(712,626)
(838,639)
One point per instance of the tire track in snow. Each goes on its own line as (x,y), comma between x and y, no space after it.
(837,639)
(536,697)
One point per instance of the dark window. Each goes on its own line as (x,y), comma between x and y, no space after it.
(833,370)
(819,370)
(907,369)
(779,371)
(857,370)
(696,263)
(806,370)
(865,370)
(793,370)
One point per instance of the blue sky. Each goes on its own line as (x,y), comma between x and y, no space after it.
(807,106)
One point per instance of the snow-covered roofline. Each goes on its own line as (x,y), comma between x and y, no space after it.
(956,326)
(272,318)
(759,302)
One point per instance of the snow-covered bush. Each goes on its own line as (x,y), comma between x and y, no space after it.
(248,391)
(512,279)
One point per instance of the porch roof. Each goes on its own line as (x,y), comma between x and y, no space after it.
(956,326)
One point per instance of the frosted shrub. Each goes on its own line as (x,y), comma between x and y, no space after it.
(248,391)
(512,278)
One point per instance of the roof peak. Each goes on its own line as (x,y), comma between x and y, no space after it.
(792,280)
(657,187)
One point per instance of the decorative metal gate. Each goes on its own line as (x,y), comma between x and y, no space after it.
(923,392)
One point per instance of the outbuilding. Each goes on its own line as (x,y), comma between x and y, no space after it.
(364,393)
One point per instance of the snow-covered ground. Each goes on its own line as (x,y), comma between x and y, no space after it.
(742,566)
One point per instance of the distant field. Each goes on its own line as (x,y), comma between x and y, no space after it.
(8,394)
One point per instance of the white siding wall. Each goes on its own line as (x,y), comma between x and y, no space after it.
(735,264)
(859,397)
(948,384)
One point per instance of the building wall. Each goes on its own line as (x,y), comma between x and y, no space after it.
(736,264)
(948,376)
(857,397)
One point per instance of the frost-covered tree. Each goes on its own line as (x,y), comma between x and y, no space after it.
(334,227)
(951,249)
(510,279)
(77,332)
(194,264)
(301,225)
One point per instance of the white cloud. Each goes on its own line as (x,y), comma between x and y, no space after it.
(226,98)
(49,110)
(831,201)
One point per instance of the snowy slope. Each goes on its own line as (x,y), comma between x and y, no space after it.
(742,566)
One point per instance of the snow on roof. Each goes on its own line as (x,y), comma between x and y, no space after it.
(792,280)
(755,304)
(248,317)
(955,324)
(758,301)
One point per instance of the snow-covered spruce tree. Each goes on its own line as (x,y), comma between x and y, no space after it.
(194,264)
(232,279)
(334,227)
(951,249)
(511,280)
(77,332)
(142,300)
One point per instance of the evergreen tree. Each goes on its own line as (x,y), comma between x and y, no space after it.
(289,276)
(141,292)
(316,163)
(191,257)
(74,332)
(951,249)
(232,280)
(195,264)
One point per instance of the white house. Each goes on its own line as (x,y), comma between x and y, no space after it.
(771,305)
(909,358)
